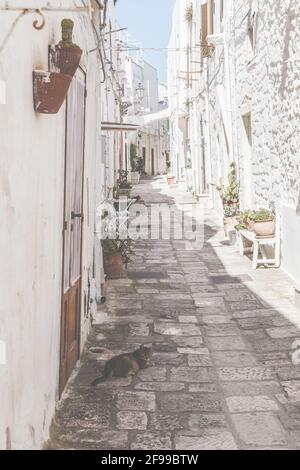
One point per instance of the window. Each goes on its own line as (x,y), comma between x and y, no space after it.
(207,25)
(221,10)
(204,31)
(248,126)
(211,16)
(221,14)
(251,30)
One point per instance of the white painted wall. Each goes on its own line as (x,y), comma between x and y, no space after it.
(31,207)
(263,80)
(269,77)
(178,94)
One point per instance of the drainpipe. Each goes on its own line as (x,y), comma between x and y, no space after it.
(121,151)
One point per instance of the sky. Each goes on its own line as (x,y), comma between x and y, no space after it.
(149,23)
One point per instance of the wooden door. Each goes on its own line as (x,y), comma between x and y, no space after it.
(72,230)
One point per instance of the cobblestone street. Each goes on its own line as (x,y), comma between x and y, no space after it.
(221,375)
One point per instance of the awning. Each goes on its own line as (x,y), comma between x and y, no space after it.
(117,126)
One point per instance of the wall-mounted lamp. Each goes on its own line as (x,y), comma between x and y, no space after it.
(140,91)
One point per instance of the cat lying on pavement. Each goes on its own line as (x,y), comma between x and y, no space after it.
(125,365)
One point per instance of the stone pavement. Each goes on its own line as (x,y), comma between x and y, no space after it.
(220,376)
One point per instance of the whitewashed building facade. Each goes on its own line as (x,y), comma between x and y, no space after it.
(51,182)
(152,139)
(241,60)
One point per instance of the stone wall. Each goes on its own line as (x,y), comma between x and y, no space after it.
(267,83)
(264,99)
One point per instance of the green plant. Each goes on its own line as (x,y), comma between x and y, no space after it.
(122,182)
(230,193)
(118,246)
(140,165)
(231,211)
(263,215)
(244,218)
(133,157)
(189,164)
(189,13)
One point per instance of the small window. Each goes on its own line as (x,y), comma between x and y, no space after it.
(204,31)
(251,31)
(221,14)
(221,10)
(247,121)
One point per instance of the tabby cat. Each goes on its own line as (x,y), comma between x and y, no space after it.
(125,364)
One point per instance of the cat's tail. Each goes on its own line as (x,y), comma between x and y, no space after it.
(98,381)
(103,378)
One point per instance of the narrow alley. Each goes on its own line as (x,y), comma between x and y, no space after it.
(221,375)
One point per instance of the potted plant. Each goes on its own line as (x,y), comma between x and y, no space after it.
(264,223)
(50,88)
(230,193)
(65,56)
(49,91)
(245,220)
(115,256)
(134,175)
(123,186)
(230,219)
(230,200)
(170,178)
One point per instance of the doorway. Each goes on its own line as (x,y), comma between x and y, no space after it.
(144,159)
(152,163)
(72,230)
(246,161)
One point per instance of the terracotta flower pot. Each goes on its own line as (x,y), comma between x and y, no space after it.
(65,59)
(265,229)
(229,225)
(171,179)
(49,91)
(125,193)
(251,225)
(113,264)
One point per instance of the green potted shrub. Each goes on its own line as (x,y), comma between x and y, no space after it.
(245,220)
(230,194)
(123,186)
(230,199)
(134,175)
(116,255)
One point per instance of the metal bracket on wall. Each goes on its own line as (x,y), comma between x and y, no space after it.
(47,7)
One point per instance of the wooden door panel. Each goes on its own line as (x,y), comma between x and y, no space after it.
(73,210)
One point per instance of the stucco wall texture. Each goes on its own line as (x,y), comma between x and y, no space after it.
(264,88)
(32,153)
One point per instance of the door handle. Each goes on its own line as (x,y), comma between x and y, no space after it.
(74,215)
